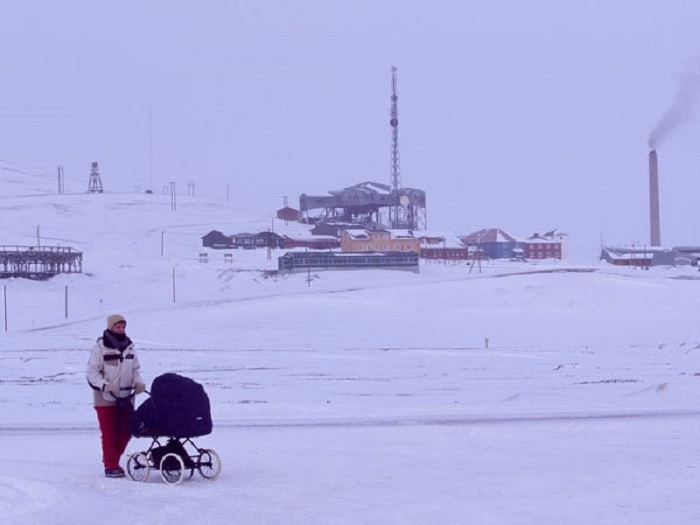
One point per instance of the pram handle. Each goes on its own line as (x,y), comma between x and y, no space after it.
(132,394)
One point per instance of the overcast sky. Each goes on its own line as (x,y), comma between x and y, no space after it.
(524,115)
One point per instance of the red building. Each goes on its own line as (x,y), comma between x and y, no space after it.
(289,214)
(443,246)
(543,247)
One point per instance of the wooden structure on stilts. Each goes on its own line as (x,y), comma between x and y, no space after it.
(39,263)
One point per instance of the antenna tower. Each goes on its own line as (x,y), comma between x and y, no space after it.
(395,165)
(95,185)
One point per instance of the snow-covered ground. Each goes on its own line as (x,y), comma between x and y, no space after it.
(557,392)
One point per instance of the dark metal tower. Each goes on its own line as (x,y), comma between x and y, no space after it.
(395,165)
(95,185)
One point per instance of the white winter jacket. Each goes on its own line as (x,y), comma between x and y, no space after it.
(107,366)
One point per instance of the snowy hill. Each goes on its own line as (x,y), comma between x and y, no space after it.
(438,395)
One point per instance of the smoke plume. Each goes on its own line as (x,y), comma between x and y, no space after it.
(682,108)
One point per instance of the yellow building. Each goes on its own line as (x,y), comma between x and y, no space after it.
(379,241)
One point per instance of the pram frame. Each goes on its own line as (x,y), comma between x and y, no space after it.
(173,466)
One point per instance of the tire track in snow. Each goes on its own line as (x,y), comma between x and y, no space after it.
(397,421)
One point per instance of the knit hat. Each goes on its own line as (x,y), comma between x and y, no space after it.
(113,319)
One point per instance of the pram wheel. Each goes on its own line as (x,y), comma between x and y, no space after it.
(137,467)
(172,469)
(209,464)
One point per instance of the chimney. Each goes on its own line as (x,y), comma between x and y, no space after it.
(655,221)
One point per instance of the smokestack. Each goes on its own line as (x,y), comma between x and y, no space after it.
(655,221)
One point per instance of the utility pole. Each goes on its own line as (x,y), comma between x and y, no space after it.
(150,147)
(4,302)
(61,189)
(173,201)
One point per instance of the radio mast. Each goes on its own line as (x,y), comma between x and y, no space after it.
(395,165)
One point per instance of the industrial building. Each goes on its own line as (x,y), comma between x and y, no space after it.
(369,204)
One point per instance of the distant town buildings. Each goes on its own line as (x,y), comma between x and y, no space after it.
(646,256)
(496,243)
(349,238)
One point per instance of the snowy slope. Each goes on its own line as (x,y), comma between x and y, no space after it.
(515,393)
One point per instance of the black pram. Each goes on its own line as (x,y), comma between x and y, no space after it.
(178,409)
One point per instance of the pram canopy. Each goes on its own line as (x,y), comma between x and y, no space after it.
(178,407)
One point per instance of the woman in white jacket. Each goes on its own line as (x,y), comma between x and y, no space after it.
(113,373)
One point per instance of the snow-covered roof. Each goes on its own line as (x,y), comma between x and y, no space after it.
(488,235)
(626,256)
(377,187)
(299,236)
(354,233)
(367,187)
(401,234)
(552,235)
(443,239)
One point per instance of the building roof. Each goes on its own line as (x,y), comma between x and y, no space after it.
(364,188)
(307,236)
(613,254)
(555,233)
(552,235)
(355,233)
(259,234)
(363,234)
(433,239)
(333,228)
(369,187)
(488,235)
(543,240)
(214,232)
(401,234)
(287,210)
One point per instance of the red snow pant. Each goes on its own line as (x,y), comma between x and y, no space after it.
(115,427)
